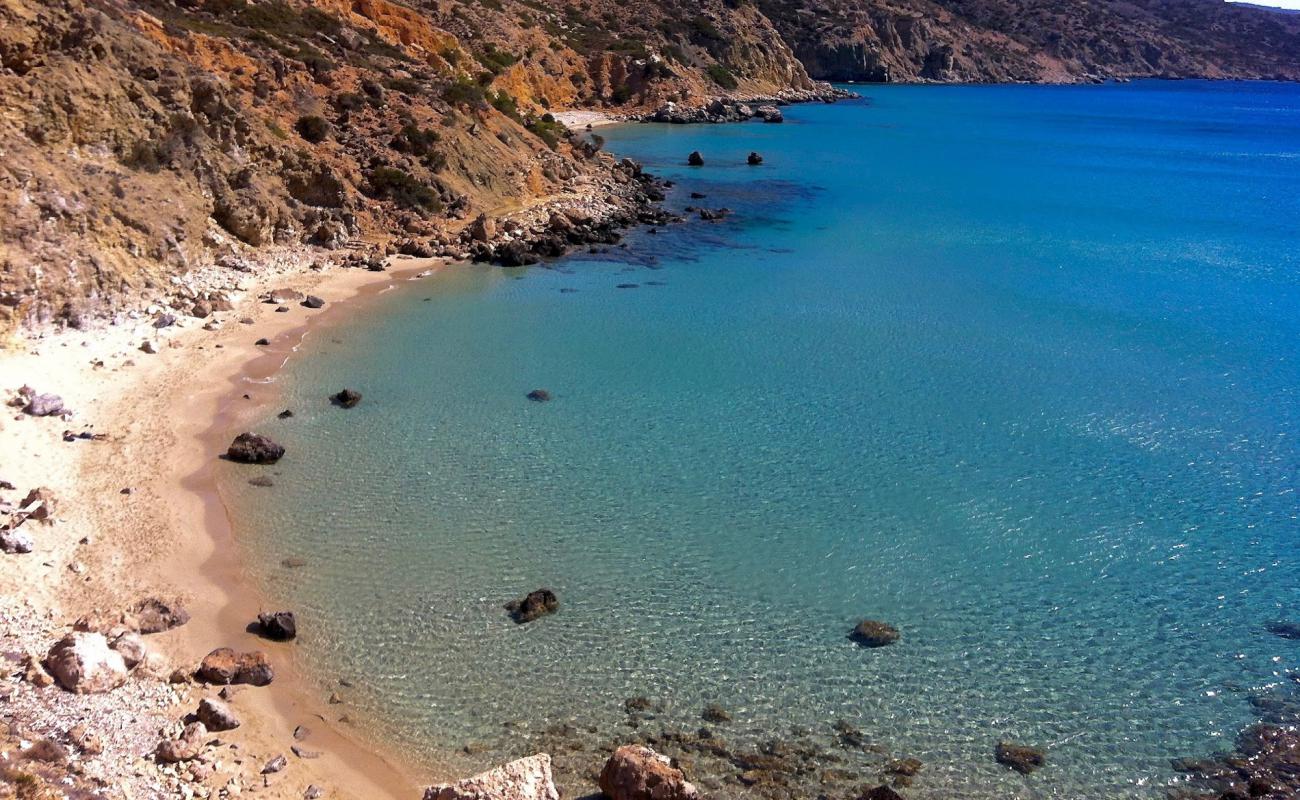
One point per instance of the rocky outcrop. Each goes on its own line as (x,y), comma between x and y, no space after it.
(346,398)
(216,715)
(635,772)
(525,779)
(85,664)
(254,448)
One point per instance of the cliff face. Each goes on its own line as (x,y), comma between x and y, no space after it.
(1036,40)
(140,139)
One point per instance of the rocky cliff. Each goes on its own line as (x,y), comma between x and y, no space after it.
(1037,40)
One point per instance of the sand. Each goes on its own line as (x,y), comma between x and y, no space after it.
(167,417)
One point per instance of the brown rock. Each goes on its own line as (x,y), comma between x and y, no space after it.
(1021,758)
(635,772)
(154,615)
(225,666)
(254,448)
(216,715)
(537,604)
(871,633)
(83,663)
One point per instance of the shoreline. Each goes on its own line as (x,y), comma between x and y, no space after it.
(171,536)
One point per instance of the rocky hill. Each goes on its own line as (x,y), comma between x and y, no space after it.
(1037,40)
(143,140)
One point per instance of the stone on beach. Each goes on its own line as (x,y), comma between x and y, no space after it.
(131,647)
(1021,758)
(347,398)
(526,779)
(16,542)
(635,772)
(225,666)
(45,498)
(216,715)
(312,301)
(44,405)
(536,604)
(83,663)
(278,625)
(185,748)
(872,633)
(154,615)
(278,296)
(254,448)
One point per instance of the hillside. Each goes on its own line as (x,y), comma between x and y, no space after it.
(1037,40)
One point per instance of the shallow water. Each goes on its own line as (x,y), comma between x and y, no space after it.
(1013,368)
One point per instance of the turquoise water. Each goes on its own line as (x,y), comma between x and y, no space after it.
(1013,368)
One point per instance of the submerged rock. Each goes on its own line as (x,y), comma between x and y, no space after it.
(1021,758)
(539,395)
(635,772)
(872,633)
(84,663)
(278,625)
(225,666)
(254,448)
(880,793)
(695,159)
(537,604)
(526,779)
(715,713)
(1285,629)
(347,398)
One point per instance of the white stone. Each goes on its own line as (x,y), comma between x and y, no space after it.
(526,779)
(84,663)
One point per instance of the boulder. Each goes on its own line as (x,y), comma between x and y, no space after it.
(536,604)
(132,649)
(44,405)
(216,715)
(84,663)
(754,159)
(281,296)
(347,398)
(515,253)
(186,748)
(880,793)
(201,309)
(16,541)
(225,666)
(43,496)
(635,772)
(254,448)
(539,395)
(312,301)
(526,779)
(769,114)
(871,633)
(695,159)
(1021,758)
(482,229)
(153,615)
(278,625)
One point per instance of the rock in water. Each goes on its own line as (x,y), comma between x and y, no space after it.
(1019,757)
(639,773)
(695,159)
(254,448)
(769,114)
(216,715)
(348,398)
(536,604)
(225,666)
(754,159)
(1287,630)
(526,779)
(870,633)
(539,395)
(880,793)
(278,625)
(715,713)
(84,663)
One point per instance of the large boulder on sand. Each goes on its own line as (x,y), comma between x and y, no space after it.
(154,615)
(85,664)
(254,448)
(225,666)
(279,625)
(525,779)
(635,772)
(216,715)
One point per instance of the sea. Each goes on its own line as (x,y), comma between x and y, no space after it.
(1014,369)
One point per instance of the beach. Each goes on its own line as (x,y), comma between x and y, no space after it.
(166,417)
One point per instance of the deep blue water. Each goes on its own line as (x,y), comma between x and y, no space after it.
(1013,368)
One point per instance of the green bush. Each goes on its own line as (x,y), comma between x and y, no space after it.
(388,183)
(463,92)
(722,76)
(548,130)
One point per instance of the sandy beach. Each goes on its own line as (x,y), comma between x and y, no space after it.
(137,516)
